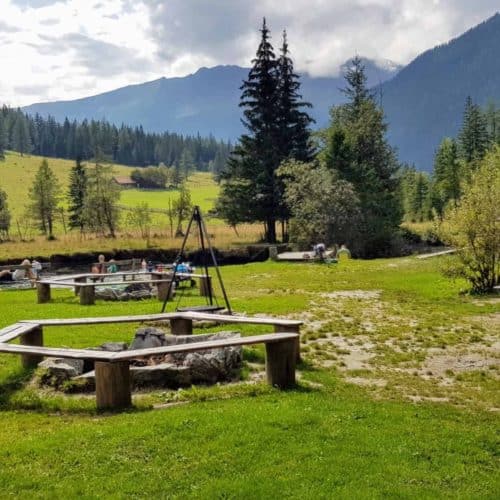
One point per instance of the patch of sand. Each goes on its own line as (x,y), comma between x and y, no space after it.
(377,382)
(438,365)
(353,294)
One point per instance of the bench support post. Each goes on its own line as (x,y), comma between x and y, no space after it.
(87,295)
(291,329)
(112,385)
(79,280)
(32,338)
(162,288)
(180,326)
(206,289)
(280,363)
(43,292)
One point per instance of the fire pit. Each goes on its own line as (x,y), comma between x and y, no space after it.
(162,370)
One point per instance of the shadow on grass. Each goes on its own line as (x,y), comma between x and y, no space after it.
(12,384)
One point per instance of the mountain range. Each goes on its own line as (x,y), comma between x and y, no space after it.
(423,101)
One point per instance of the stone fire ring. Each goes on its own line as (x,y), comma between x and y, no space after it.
(112,368)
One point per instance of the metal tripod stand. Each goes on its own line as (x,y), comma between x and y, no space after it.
(197,218)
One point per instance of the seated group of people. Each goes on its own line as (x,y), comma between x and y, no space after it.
(27,271)
(320,251)
(102,267)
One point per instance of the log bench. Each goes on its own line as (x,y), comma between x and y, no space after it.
(112,371)
(86,290)
(85,283)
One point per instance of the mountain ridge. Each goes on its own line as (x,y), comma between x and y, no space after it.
(423,101)
(205,101)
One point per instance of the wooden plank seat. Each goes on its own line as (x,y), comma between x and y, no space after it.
(205,308)
(86,290)
(112,369)
(133,263)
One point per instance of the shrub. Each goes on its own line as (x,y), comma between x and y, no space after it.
(473,227)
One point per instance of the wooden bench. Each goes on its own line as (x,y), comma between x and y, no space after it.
(112,370)
(86,290)
(132,263)
(85,283)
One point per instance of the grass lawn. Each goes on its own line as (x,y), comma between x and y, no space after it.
(204,192)
(18,173)
(398,397)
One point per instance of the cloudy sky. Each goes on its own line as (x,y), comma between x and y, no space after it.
(65,49)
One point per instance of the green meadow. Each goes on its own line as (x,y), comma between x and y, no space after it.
(18,172)
(397,397)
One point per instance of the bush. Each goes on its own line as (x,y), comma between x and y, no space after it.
(473,227)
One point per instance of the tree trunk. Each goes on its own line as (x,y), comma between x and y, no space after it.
(271,231)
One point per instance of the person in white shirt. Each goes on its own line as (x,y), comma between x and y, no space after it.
(25,272)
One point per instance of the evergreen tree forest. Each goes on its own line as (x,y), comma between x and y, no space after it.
(90,139)
(455,161)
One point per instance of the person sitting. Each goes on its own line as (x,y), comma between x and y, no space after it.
(25,272)
(99,268)
(319,251)
(343,253)
(36,268)
(112,267)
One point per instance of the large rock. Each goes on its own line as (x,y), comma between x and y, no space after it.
(148,337)
(55,371)
(176,370)
(210,366)
(134,291)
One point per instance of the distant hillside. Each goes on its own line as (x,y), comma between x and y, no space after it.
(424,102)
(205,102)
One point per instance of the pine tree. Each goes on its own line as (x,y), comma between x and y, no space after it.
(44,198)
(3,137)
(357,149)
(4,215)
(101,200)
(473,137)
(293,120)
(277,129)
(76,196)
(447,176)
(21,140)
(249,192)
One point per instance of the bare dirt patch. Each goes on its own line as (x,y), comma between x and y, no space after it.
(456,362)
(352,294)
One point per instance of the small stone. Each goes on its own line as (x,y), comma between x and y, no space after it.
(114,346)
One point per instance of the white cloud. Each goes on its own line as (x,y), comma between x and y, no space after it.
(64,49)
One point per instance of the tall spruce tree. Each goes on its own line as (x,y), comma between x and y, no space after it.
(294,122)
(76,196)
(446,177)
(21,140)
(277,130)
(357,149)
(473,138)
(250,192)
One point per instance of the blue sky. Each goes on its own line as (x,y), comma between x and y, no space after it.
(65,49)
